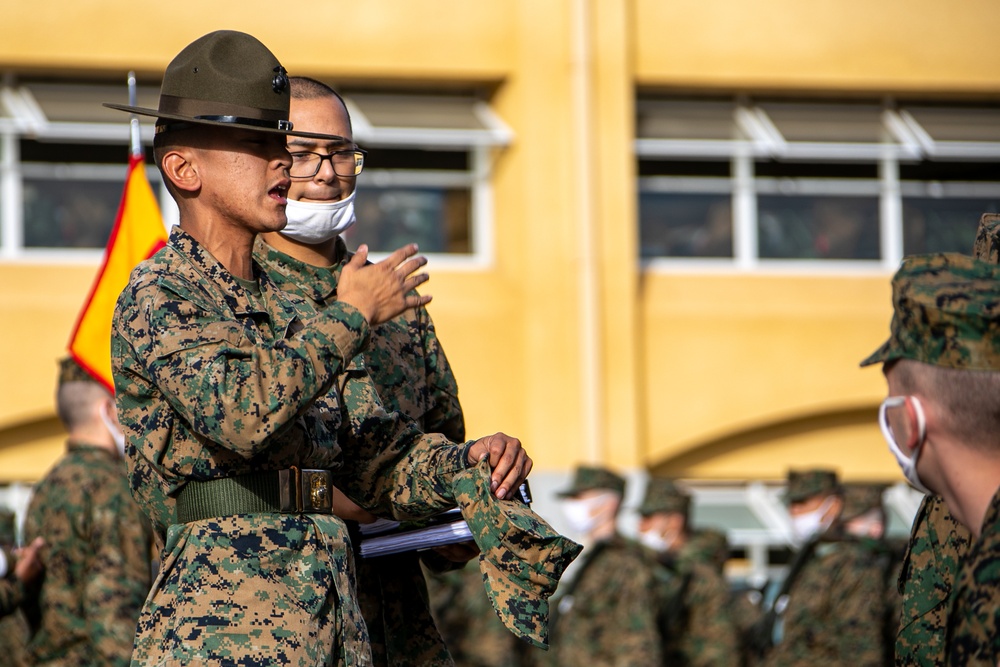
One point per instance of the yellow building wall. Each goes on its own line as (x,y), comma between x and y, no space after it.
(562,341)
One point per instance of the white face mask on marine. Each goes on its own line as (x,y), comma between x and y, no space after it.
(653,540)
(581,513)
(908,464)
(318,222)
(115,432)
(809,524)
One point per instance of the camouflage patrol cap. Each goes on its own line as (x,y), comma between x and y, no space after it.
(588,478)
(521,557)
(8,527)
(860,499)
(946,312)
(663,495)
(987,245)
(71,371)
(806,484)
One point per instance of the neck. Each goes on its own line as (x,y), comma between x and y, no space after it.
(320,254)
(93,434)
(968,480)
(231,246)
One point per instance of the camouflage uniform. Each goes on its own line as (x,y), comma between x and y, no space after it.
(97,561)
(14,630)
(694,614)
(413,376)
(974,619)
(609,614)
(831,610)
(937,545)
(218,378)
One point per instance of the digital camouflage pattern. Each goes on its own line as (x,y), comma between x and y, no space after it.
(464,614)
(14,631)
(974,619)
(833,613)
(946,312)
(696,621)
(588,478)
(663,495)
(860,499)
(215,378)
(520,556)
(805,484)
(987,245)
(97,558)
(609,613)
(705,545)
(413,376)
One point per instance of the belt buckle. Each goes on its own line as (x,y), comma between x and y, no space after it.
(306,490)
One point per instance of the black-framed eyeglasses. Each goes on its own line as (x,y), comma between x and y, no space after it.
(306,164)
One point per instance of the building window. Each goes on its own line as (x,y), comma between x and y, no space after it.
(63,159)
(845,184)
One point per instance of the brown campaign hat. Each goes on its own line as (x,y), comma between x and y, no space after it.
(225,78)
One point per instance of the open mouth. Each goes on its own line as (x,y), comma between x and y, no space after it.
(279,192)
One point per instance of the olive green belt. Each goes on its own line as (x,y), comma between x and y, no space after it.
(293,490)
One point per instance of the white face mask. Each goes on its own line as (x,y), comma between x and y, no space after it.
(653,540)
(810,524)
(906,463)
(318,222)
(581,513)
(115,432)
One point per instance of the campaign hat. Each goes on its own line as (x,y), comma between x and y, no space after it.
(228,79)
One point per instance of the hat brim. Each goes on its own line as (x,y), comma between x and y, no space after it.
(881,355)
(142,111)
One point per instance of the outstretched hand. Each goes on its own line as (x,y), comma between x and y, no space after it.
(29,562)
(508,461)
(381,291)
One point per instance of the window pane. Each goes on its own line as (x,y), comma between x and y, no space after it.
(685,225)
(943,224)
(817,227)
(438,219)
(69,214)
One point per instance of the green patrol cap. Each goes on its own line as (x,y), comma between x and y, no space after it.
(8,527)
(861,498)
(71,371)
(663,495)
(987,245)
(806,484)
(588,478)
(946,312)
(521,557)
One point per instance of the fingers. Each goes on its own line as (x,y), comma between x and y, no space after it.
(359,258)
(509,462)
(397,257)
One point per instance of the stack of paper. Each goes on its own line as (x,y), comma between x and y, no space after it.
(385,537)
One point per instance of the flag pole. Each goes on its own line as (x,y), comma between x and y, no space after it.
(135,138)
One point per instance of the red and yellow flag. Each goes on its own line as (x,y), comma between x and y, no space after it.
(138,233)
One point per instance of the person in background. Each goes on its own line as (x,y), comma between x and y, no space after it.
(608,614)
(98,544)
(404,358)
(695,617)
(829,609)
(18,568)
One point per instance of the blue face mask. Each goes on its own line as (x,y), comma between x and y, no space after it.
(906,463)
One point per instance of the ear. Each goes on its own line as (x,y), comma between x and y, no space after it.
(179,166)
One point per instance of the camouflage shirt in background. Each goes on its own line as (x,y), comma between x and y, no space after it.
(696,622)
(834,611)
(974,619)
(413,376)
(609,615)
(97,561)
(14,630)
(937,545)
(217,377)
(11,590)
